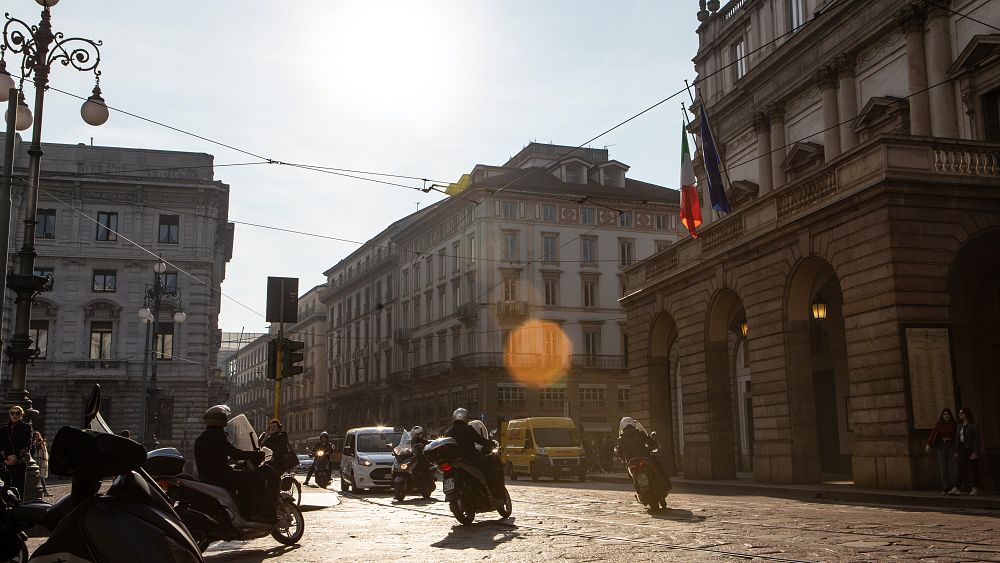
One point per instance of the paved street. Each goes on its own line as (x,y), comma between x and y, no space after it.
(602,522)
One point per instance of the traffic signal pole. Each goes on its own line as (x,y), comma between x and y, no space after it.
(279,369)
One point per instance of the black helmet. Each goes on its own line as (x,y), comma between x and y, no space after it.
(217,415)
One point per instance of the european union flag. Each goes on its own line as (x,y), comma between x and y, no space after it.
(713,166)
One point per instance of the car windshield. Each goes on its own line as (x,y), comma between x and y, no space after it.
(556,437)
(379,442)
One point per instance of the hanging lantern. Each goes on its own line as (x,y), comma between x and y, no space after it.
(819,308)
(744,327)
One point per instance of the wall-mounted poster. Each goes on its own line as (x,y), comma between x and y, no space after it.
(932,388)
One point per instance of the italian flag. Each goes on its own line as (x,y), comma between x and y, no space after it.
(690,208)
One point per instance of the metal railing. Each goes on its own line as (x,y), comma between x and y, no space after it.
(512,308)
(468,312)
(597,361)
(432,370)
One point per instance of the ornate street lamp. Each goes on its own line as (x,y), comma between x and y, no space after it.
(155,297)
(39,49)
(744,327)
(819,308)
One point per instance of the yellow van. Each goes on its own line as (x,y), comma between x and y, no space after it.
(546,446)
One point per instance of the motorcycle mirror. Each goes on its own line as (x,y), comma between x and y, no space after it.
(93,406)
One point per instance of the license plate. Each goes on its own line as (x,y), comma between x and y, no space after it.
(642,479)
(449,485)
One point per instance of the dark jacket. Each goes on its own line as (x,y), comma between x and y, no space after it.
(633,443)
(212,452)
(467,438)
(971,435)
(943,430)
(277,443)
(15,439)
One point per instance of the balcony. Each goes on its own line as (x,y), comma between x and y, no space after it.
(512,310)
(594,361)
(468,312)
(507,360)
(399,377)
(113,369)
(435,369)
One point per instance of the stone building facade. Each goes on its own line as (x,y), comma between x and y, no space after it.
(863,149)
(92,201)
(502,299)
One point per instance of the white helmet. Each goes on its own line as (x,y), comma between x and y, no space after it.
(629,421)
(416,432)
(461,414)
(481,428)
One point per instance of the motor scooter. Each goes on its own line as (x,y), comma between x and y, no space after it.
(411,472)
(651,487)
(210,511)
(132,521)
(466,488)
(321,467)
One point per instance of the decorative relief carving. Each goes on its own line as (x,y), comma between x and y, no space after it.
(568,214)
(807,194)
(809,94)
(845,63)
(740,141)
(913,17)
(868,56)
(826,77)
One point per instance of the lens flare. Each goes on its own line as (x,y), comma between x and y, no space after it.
(538,353)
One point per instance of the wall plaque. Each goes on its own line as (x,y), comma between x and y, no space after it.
(928,354)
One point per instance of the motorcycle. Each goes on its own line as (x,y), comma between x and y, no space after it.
(133,520)
(210,511)
(465,487)
(321,468)
(411,472)
(14,521)
(651,488)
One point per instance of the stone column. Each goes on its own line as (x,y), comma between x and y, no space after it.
(776,113)
(762,126)
(847,101)
(944,118)
(912,18)
(826,78)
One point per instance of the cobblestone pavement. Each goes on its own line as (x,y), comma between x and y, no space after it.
(603,522)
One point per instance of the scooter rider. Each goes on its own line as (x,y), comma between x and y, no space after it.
(212,453)
(634,442)
(417,437)
(324,444)
(467,437)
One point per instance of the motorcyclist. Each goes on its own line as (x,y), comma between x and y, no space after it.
(212,454)
(325,445)
(467,437)
(418,437)
(633,442)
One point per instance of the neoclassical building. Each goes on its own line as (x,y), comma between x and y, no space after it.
(819,329)
(86,329)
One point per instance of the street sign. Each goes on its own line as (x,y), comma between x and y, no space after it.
(282,300)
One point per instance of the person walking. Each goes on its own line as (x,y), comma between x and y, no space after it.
(40,452)
(942,439)
(967,454)
(15,443)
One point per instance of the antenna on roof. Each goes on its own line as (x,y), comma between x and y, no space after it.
(606,146)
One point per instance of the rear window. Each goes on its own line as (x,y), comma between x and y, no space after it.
(556,437)
(379,442)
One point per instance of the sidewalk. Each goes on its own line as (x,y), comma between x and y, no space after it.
(832,491)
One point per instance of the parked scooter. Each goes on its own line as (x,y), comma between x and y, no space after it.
(210,511)
(13,546)
(411,472)
(132,521)
(465,487)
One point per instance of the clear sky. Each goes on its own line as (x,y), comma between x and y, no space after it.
(419,88)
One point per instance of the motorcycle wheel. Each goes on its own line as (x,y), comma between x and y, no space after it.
(399,490)
(290,526)
(464,515)
(508,507)
(428,489)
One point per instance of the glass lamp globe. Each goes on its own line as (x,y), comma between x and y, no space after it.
(6,82)
(145,314)
(22,119)
(160,267)
(179,316)
(94,111)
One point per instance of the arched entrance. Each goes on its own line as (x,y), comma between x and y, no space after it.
(974,288)
(819,389)
(723,335)
(662,345)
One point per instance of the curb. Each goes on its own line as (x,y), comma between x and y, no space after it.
(943,502)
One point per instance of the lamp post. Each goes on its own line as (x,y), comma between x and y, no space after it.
(156,295)
(39,48)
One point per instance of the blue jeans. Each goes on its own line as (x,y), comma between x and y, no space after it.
(945,455)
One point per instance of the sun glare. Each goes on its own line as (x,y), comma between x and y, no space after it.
(538,353)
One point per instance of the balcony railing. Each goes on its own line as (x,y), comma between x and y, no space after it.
(594,361)
(98,364)
(435,369)
(512,309)
(468,312)
(399,377)
(508,360)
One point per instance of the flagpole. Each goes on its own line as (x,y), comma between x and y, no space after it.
(725,169)
(709,217)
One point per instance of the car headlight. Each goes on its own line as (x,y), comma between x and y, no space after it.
(403,466)
(543,451)
(365,461)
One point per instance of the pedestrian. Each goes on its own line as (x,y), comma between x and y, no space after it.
(607,454)
(967,454)
(40,452)
(15,443)
(942,439)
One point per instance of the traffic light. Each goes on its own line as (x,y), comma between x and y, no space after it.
(292,358)
(272,358)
